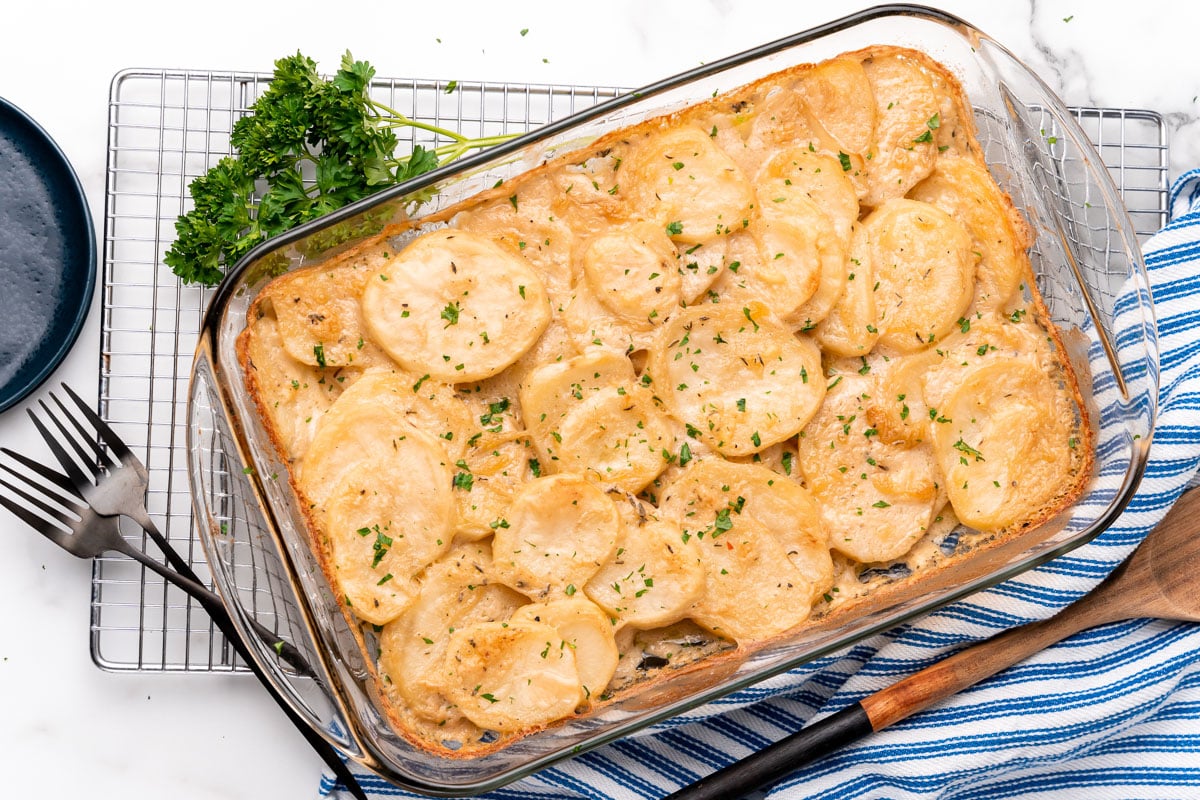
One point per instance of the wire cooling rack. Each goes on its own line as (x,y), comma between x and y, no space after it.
(167,127)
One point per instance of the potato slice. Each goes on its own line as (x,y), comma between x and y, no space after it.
(634,272)
(511,677)
(633,280)
(551,388)
(456,306)
(797,174)
(454,593)
(812,190)
(380,489)
(712,494)
(385,522)
(701,265)
(320,319)
(526,224)
(752,589)
(906,121)
(1006,446)
(898,409)
(301,399)
(558,532)
(925,266)
(963,189)
(593,185)
(590,415)
(488,477)
(779,120)
(587,630)
(737,375)
(780,261)
(840,99)
(956,129)
(687,185)
(852,326)
(876,498)
(619,435)
(653,577)
(833,274)
(380,407)
(979,340)
(910,387)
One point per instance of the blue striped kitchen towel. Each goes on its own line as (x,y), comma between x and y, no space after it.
(1113,712)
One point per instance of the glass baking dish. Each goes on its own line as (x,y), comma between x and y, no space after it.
(1087,267)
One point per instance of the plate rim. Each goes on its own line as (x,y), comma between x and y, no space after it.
(22,385)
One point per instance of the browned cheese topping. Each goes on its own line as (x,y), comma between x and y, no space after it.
(666,399)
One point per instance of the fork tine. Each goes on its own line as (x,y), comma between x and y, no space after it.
(56,535)
(47,509)
(54,476)
(97,454)
(68,464)
(66,498)
(90,462)
(110,437)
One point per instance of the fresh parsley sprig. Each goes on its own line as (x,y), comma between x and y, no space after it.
(309,146)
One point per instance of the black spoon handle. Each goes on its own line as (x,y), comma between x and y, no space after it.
(781,758)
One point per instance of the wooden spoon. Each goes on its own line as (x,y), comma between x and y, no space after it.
(1161,580)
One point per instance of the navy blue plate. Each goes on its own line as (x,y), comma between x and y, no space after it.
(47,255)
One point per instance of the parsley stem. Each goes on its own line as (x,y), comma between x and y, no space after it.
(452,151)
(394,119)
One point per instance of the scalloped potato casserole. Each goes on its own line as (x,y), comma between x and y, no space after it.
(717,377)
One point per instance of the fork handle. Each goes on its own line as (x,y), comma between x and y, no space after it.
(220,616)
(211,601)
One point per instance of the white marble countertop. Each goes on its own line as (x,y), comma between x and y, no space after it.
(68,729)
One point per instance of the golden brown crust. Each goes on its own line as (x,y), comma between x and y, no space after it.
(536,218)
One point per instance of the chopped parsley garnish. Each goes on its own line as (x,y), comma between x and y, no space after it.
(722,523)
(963,447)
(931,125)
(494,410)
(383,543)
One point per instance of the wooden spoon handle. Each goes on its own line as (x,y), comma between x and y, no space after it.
(972,664)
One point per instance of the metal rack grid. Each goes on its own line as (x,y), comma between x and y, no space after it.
(165,128)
